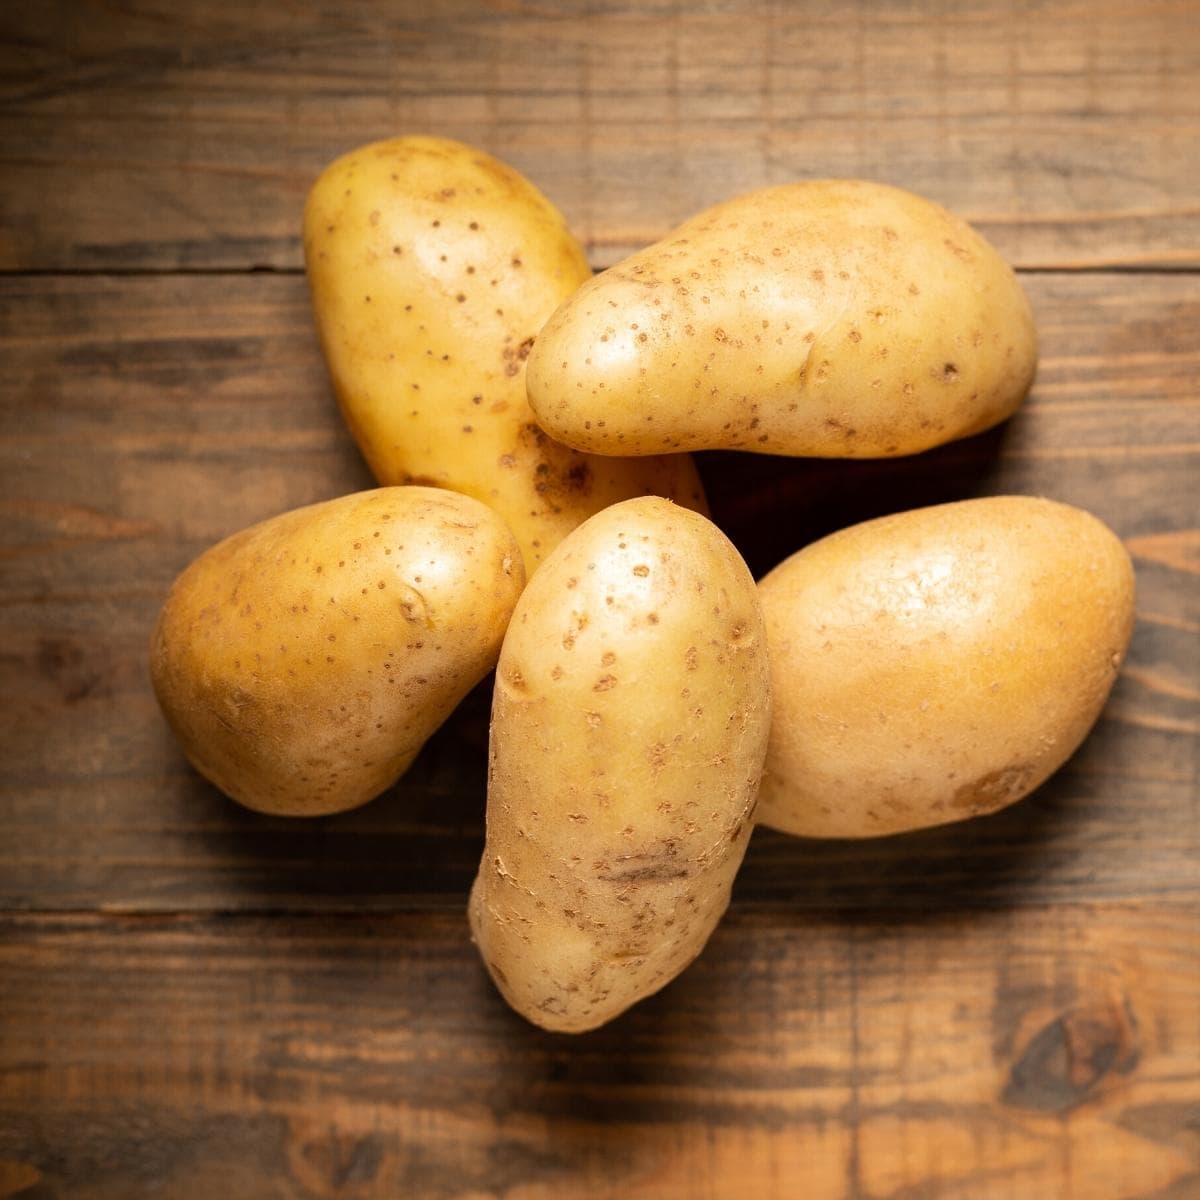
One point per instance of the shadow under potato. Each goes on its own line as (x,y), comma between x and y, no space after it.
(770,507)
(418,844)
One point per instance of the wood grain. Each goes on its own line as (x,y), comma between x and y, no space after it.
(152,416)
(157,135)
(199,1001)
(1032,1052)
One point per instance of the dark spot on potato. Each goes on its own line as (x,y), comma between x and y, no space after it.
(661,867)
(514,356)
(605,683)
(995,789)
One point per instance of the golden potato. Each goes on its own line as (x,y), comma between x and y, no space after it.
(938,664)
(303,662)
(628,731)
(833,318)
(432,267)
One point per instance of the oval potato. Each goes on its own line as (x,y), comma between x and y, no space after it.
(938,664)
(628,731)
(834,318)
(432,267)
(303,662)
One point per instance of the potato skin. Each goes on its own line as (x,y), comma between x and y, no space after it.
(629,725)
(938,664)
(303,662)
(433,267)
(833,318)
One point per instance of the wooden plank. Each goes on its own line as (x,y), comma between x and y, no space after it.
(1031,1052)
(161,135)
(143,418)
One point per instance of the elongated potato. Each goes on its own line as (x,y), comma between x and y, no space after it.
(432,267)
(938,664)
(303,662)
(628,732)
(834,318)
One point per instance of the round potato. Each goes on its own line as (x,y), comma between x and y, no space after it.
(303,662)
(834,318)
(432,268)
(629,725)
(938,664)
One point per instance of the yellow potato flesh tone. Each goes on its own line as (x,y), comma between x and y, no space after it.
(834,318)
(303,662)
(938,664)
(628,729)
(433,267)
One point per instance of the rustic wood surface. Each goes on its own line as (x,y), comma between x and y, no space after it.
(198,1001)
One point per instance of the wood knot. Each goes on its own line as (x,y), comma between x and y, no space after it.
(1065,1062)
(332,1162)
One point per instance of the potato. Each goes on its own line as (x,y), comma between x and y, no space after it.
(833,318)
(938,664)
(303,662)
(628,731)
(432,267)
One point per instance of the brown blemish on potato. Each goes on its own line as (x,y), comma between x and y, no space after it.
(661,867)
(959,251)
(514,356)
(995,789)
(605,683)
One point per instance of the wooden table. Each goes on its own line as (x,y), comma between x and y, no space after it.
(199,1002)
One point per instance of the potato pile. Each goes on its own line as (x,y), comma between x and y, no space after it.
(538,513)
